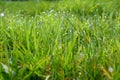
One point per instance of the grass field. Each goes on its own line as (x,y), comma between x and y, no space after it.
(60,40)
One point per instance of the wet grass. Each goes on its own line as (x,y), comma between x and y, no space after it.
(68,41)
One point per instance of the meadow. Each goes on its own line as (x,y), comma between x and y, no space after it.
(60,40)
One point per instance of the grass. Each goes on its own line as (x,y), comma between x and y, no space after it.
(60,40)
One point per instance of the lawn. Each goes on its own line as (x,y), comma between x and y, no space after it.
(60,40)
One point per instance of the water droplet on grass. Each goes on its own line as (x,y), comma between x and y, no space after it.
(110,69)
(2,14)
(7,69)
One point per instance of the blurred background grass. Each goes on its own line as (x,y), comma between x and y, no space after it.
(79,7)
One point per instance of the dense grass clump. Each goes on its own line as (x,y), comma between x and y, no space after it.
(62,40)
